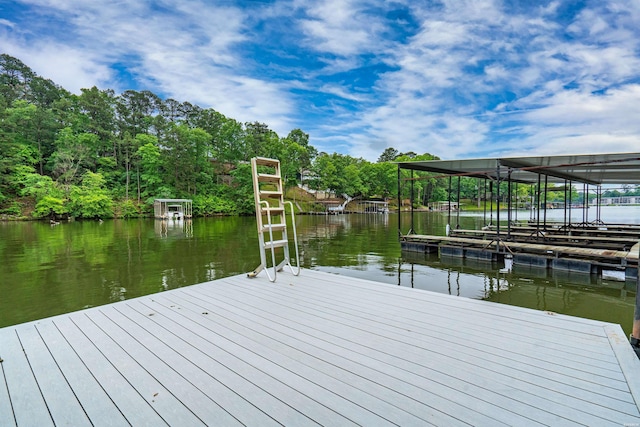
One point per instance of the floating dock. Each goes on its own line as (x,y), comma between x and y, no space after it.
(317,349)
(543,250)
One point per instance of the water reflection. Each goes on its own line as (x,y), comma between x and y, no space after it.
(173,228)
(553,291)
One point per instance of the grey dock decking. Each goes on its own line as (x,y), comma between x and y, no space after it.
(317,349)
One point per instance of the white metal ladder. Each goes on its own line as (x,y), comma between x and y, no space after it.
(271,218)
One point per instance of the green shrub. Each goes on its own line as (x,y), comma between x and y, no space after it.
(129,209)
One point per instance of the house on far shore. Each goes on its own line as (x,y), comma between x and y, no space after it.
(619,200)
(176,209)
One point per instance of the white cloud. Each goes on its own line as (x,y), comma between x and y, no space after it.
(583,122)
(462,77)
(186,50)
(7,23)
(437,101)
(340,27)
(68,67)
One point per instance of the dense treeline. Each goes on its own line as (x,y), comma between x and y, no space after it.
(101,154)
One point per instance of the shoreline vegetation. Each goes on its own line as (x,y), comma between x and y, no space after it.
(98,155)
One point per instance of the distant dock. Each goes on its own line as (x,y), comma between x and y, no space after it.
(317,349)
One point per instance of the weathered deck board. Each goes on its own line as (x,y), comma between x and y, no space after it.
(93,398)
(315,349)
(404,350)
(442,339)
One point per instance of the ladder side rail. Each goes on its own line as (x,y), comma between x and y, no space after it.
(273,250)
(256,193)
(295,241)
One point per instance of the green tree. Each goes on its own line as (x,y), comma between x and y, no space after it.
(33,127)
(388,155)
(99,108)
(185,156)
(150,164)
(298,155)
(91,199)
(136,111)
(241,191)
(73,155)
(49,197)
(15,78)
(379,179)
(261,141)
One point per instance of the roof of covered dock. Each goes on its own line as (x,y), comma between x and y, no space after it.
(596,169)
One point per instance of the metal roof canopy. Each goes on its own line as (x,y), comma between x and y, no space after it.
(172,200)
(595,169)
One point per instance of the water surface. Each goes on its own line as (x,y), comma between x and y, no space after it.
(49,270)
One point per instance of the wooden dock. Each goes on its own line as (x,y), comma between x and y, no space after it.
(317,349)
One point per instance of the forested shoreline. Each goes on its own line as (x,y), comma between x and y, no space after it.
(99,154)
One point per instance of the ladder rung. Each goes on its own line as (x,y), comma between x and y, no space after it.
(274,227)
(265,177)
(276,244)
(264,193)
(272,210)
(263,161)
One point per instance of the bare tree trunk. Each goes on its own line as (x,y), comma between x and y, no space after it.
(127,184)
(138,177)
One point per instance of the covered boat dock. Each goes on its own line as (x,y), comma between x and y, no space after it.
(587,246)
(177,209)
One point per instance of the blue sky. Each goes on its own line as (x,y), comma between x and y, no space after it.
(458,79)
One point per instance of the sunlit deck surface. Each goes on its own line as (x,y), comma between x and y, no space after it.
(315,349)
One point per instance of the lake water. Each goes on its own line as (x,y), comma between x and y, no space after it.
(49,270)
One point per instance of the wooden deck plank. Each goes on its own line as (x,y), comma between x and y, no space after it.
(528,247)
(386,403)
(469,417)
(295,389)
(410,313)
(628,361)
(315,323)
(318,349)
(479,326)
(297,341)
(627,348)
(294,344)
(94,400)
(6,410)
(595,375)
(64,407)
(159,365)
(444,381)
(161,398)
(136,409)
(214,382)
(587,388)
(28,404)
(569,324)
(276,400)
(569,330)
